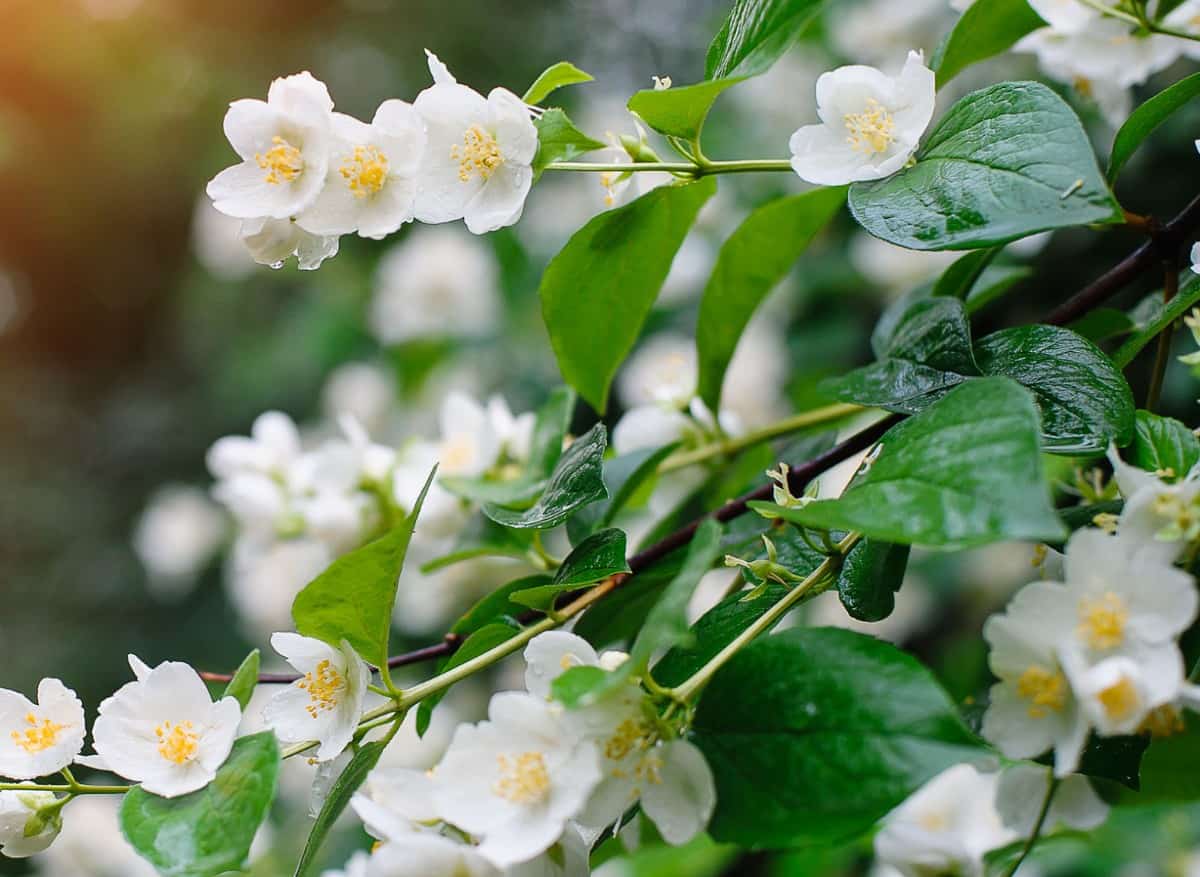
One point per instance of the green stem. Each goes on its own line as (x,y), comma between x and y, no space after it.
(71,789)
(729,447)
(1037,828)
(1111,12)
(689,688)
(1140,21)
(690,168)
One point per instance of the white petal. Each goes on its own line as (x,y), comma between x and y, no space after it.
(550,654)
(682,803)
(501,200)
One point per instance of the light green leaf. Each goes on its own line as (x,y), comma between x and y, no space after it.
(1163,316)
(353,599)
(679,112)
(209,831)
(1146,118)
(597,292)
(814,734)
(1006,162)
(756,34)
(553,78)
(965,471)
(1163,444)
(986,28)
(241,686)
(340,793)
(754,259)
(575,687)
(559,140)
(577,480)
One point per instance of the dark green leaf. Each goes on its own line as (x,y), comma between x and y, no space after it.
(814,734)
(959,279)
(679,112)
(210,831)
(597,292)
(1004,163)
(965,471)
(241,686)
(756,34)
(339,796)
(549,427)
(1147,117)
(870,578)
(1084,400)
(553,78)
(353,599)
(559,140)
(626,476)
(1170,769)
(995,282)
(1115,758)
(1102,324)
(577,480)
(619,616)
(596,557)
(1163,444)
(754,259)
(986,28)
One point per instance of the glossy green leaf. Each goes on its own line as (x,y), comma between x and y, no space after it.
(1084,400)
(814,734)
(1163,444)
(209,831)
(340,793)
(353,599)
(681,111)
(1005,162)
(756,34)
(559,140)
(597,292)
(870,577)
(750,264)
(577,480)
(1147,117)
(245,680)
(595,558)
(553,78)
(965,471)
(627,476)
(986,28)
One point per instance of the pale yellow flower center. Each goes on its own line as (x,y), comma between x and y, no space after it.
(457,453)
(365,171)
(38,736)
(1163,721)
(630,735)
(872,131)
(1102,621)
(179,743)
(478,154)
(608,180)
(1044,689)
(523,779)
(282,162)
(324,686)
(1120,700)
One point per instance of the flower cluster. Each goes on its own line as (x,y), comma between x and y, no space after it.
(309,175)
(1098,651)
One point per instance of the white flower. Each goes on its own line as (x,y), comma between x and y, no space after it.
(871,123)
(164,731)
(1118,694)
(1107,50)
(216,241)
(284,145)
(395,802)
(516,779)
(478,154)
(1067,16)
(355,867)
(1158,519)
(436,283)
(469,444)
(361,390)
(272,447)
(273,241)
(371,187)
(515,433)
(326,703)
(1196,246)
(1022,789)
(429,855)
(875,31)
(617,188)
(22,832)
(663,369)
(175,538)
(38,739)
(946,826)
(264,578)
(443,513)
(651,426)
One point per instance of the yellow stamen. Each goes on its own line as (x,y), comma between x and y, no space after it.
(1120,700)
(324,686)
(871,131)
(478,154)
(1102,621)
(39,736)
(282,162)
(365,171)
(523,779)
(1044,689)
(1163,721)
(629,735)
(178,744)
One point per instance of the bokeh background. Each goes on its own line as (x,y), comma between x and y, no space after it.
(134,332)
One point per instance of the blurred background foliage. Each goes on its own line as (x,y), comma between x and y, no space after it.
(132,336)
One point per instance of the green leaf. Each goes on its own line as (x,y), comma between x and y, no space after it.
(573,687)
(1170,769)
(353,599)
(1102,324)
(495,607)
(482,640)
(619,616)
(1164,316)
(1004,163)
(756,34)
(679,112)
(870,577)
(209,831)
(577,480)
(553,78)
(923,354)
(241,686)
(995,282)
(751,262)
(959,279)
(986,28)
(597,292)
(626,476)
(965,471)
(559,140)
(814,734)
(595,558)
(1163,444)
(1146,118)
(1085,401)
(340,793)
